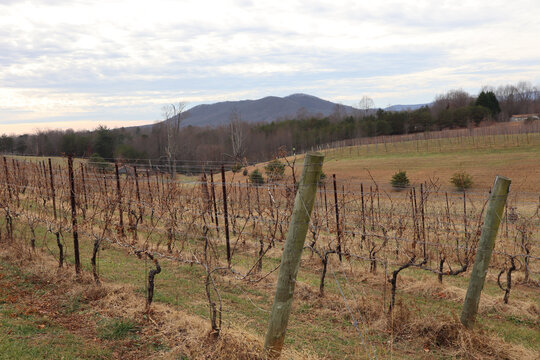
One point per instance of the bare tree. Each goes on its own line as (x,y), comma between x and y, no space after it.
(237,135)
(365,105)
(173,115)
(453,99)
(302,113)
(338,112)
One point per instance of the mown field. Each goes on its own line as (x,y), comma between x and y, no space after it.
(42,307)
(517,157)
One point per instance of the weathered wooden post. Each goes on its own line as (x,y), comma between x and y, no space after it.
(290,260)
(485,248)
(74,228)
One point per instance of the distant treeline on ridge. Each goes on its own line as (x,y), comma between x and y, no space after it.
(242,141)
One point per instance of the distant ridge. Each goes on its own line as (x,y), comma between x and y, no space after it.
(405,107)
(267,109)
(272,108)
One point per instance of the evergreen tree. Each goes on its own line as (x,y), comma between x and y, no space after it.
(489,100)
(104,143)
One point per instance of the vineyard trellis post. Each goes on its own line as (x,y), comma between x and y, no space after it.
(138,192)
(292,252)
(226,215)
(57,232)
(84,190)
(6,171)
(74,217)
(492,221)
(338,227)
(119,199)
(214,200)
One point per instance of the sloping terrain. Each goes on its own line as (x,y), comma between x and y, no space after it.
(267,109)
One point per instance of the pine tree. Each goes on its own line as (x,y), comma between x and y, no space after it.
(489,100)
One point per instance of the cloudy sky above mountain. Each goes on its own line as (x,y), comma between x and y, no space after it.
(81,63)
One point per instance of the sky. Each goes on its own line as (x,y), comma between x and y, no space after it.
(79,64)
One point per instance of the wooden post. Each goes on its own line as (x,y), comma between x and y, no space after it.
(226,215)
(6,171)
(84,188)
(338,227)
(149,187)
(363,239)
(119,197)
(485,248)
(74,217)
(57,233)
(290,260)
(138,192)
(214,200)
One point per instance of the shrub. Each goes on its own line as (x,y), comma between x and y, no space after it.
(236,167)
(400,180)
(461,180)
(256,178)
(97,161)
(322,179)
(274,170)
(245,172)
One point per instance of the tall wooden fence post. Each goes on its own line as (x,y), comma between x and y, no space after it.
(74,217)
(290,260)
(485,248)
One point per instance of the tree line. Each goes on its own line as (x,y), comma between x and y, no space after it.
(241,141)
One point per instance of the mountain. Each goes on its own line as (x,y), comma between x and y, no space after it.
(272,108)
(405,107)
(267,109)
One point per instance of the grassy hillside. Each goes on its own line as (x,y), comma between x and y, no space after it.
(483,157)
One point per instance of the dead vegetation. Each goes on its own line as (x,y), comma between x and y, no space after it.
(376,237)
(85,304)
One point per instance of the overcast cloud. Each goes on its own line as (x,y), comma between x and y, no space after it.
(78,64)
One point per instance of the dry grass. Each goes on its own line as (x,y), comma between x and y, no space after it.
(184,335)
(188,336)
(517,161)
(488,304)
(445,335)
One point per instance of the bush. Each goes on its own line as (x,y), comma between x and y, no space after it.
(274,170)
(256,178)
(236,167)
(400,180)
(461,180)
(98,162)
(322,179)
(245,172)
